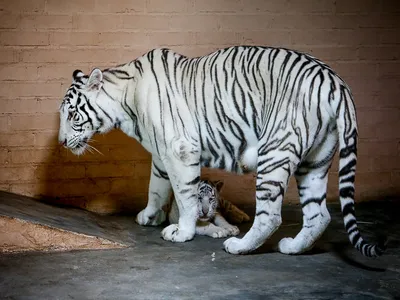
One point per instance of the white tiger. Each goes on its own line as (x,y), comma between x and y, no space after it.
(210,221)
(273,111)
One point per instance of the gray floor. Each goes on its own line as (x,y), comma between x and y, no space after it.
(152,268)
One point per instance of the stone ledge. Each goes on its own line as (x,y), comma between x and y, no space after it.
(18,235)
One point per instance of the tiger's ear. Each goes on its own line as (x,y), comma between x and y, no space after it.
(77,74)
(95,80)
(219,184)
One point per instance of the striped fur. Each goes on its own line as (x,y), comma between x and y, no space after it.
(272,111)
(231,212)
(210,221)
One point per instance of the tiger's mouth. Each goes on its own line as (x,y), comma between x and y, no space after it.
(205,217)
(78,146)
(79,149)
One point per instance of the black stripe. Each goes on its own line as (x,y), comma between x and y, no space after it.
(348,168)
(348,150)
(356,239)
(139,66)
(313,200)
(184,191)
(262,212)
(270,197)
(349,179)
(194,181)
(348,209)
(222,163)
(350,224)
(156,194)
(314,216)
(162,174)
(352,230)
(347,192)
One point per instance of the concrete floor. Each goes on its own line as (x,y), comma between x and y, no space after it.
(151,268)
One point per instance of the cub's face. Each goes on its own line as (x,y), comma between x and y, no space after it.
(208,199)
(78,118)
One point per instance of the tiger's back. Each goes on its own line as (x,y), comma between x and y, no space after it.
(235,95)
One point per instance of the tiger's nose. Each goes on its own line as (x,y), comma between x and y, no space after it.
(64,143)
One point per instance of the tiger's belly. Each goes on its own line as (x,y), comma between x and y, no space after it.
(232,158)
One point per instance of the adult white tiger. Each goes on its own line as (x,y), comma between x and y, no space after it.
(273,111)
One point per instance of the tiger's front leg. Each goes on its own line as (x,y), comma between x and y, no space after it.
(159,192)
(183,166)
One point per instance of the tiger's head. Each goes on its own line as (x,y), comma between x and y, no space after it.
(79,120)
(208,195)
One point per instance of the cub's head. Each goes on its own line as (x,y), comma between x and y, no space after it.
(208,194)
(78,117)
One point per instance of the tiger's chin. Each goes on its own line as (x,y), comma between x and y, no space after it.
(204,219)
(79,150)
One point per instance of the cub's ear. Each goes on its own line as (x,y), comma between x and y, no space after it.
(219,184)
(77,74)
(95,80)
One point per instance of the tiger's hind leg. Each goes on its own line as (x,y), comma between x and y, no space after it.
(273,174)
(312,180)
(312,188)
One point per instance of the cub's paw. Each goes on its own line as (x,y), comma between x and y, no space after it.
(174,234)
(220,233)
(234,245)
(232,230)
(150,219)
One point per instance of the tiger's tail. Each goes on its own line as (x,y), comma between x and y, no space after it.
(346,121)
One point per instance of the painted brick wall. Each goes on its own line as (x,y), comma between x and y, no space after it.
(43,41)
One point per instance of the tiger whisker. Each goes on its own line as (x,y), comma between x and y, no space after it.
(94,148)
(90,150)
(80,145)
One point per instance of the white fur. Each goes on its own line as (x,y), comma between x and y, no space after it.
(249,158)
(201,112)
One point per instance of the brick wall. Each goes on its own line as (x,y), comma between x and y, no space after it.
(43,41)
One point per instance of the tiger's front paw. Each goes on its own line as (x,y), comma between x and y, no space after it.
(234,245)
(145,218)
(174,234)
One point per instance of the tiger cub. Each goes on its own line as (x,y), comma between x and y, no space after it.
(210,221)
